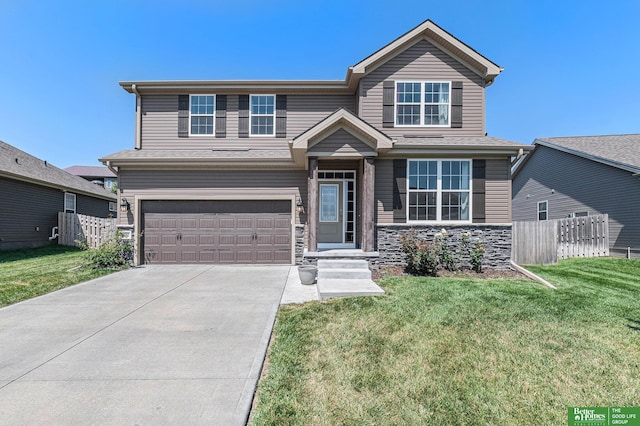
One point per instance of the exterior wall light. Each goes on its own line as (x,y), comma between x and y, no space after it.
(299,206)
(124,205)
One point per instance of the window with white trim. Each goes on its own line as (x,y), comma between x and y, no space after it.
(439,190)
(423,103)
(202,110)
(262,113)
(69,202)
(543,210)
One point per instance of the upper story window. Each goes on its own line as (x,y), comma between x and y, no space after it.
(262,110)
(69,202)
(423,103)
(439,190)
(543,210)
(202,111)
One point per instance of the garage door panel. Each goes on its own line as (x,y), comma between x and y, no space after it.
(282,240)
(207,240)
(178,232)
(168,223)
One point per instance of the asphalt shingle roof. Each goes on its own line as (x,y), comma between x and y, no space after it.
(621,151)
(90,171)
(19,164)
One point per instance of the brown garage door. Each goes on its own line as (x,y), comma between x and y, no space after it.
(217,232)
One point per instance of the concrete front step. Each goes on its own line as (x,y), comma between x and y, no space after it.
(332,288)
(344,273)
(342,263)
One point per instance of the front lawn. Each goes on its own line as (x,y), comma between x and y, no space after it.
(32,272)
(442,351)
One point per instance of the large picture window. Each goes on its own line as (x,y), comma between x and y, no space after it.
(423,103)
(439,190)
(263,115)
(202,112)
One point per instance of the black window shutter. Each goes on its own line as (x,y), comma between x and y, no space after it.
(399,191)
(243,116)
(183,116)
(456,104)
(281,116)
(388,93)
(479,174)
(221,116)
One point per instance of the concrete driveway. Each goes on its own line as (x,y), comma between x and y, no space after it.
(150,345)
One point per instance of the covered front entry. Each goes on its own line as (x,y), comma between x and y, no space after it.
(217,231)
(337,209)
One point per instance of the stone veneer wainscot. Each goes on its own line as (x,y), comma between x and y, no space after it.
(496,238)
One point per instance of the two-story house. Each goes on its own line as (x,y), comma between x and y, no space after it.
(276,171)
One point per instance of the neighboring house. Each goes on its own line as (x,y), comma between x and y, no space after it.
(34,191)
(579,176)
(274,171)
(99,175)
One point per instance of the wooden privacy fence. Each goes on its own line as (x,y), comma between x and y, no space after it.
(74,229)
(546,242)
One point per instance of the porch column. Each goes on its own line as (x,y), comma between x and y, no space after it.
(312,204)
(368,204)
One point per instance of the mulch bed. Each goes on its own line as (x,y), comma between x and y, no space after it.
(487,274)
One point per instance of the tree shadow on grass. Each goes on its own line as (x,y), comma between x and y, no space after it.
(634,324)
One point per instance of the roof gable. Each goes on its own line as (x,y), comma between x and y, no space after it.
(339,120)
(17,164)
(441,39)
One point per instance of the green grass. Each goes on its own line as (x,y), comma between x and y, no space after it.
(32,272)
(443,351)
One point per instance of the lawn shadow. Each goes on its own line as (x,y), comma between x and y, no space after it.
(635,327)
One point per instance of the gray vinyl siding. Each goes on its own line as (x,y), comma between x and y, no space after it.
(420,62)
(341,142)
(92,206)
(497,191)
(197,184)
(579,185)
(24,207)
(160,122)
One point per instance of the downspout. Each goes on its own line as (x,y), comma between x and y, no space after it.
(138,135)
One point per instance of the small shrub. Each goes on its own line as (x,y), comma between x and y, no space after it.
(448,258)
(427,258)
(477,254)
(114,253)
(422,256)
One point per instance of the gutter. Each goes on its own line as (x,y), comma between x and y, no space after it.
(138,135)
(110,167)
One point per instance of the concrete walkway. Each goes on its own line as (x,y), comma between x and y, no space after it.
(150,345)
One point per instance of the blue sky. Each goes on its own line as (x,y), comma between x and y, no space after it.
(571,67)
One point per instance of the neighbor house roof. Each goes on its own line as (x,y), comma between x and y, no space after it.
(621,151)
(427,30)
(90,171)
(17,164)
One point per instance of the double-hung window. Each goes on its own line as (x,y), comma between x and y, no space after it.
(543,210)
(423,103)
(262,110)
(69,202)
(202,112)
(439,190)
